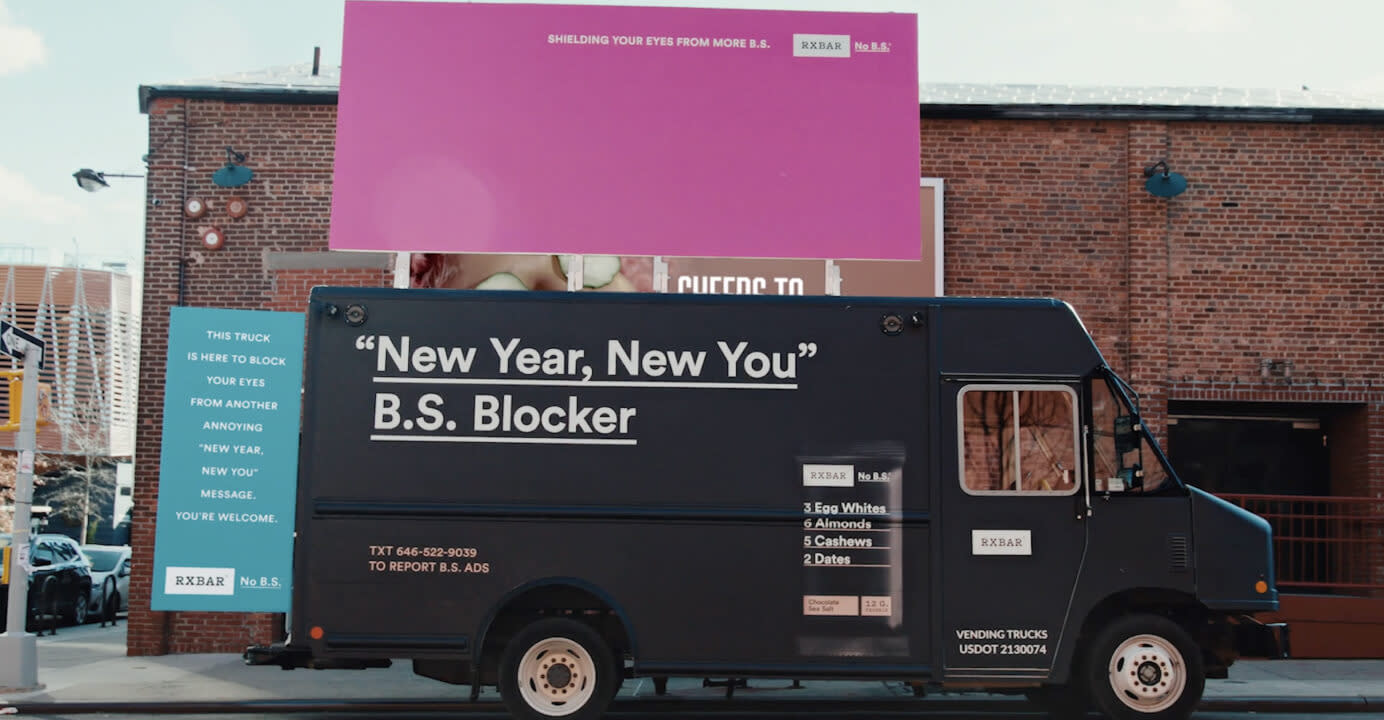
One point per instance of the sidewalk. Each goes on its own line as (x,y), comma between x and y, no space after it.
(86,670)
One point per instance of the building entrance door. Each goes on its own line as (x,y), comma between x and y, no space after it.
(1229,453)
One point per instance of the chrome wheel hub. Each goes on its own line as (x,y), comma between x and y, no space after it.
(557,677)
(1147,673)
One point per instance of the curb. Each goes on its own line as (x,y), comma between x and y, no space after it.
(1358,703)
(1281,705)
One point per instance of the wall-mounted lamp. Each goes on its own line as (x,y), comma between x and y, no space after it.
(234,174)
(91,181)
(1278,368)
(1167,184)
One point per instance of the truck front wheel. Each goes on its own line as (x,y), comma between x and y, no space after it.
(557,668)
(1146,667)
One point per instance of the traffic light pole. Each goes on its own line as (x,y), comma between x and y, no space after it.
(18,647)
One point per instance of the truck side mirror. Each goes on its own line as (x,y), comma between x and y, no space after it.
(1126,434)
(1132,477)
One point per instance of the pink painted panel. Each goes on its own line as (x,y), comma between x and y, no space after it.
(492,128)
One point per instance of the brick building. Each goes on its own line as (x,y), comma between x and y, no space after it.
(1248,311)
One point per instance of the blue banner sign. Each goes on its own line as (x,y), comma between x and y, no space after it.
(229,463)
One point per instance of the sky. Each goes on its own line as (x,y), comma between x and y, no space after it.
(70,72)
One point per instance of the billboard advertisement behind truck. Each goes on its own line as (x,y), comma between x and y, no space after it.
(553,492)
(704,275)
(645,131)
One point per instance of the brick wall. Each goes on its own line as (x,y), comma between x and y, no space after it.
(1348,438)
(270,259)
(1280,252)
(1037,208)
(1277,276)
(1274,253)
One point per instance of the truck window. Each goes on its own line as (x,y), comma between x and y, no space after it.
(1107,463)
(1018,439)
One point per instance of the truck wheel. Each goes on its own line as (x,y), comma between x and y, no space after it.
(557,668)
(1146,667)
(78,614)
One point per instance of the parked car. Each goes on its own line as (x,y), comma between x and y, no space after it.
(110,579)
(60,582)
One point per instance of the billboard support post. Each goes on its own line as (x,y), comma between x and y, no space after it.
(833,280)
(575,274)
(660,274)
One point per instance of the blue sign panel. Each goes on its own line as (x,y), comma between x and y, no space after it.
(229,464)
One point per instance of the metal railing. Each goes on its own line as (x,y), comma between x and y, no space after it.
(1327,545)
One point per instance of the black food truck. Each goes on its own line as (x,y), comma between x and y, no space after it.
(555,492)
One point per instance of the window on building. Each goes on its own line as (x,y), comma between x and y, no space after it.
(1018,439)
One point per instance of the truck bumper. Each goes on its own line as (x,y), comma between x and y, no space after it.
(1261,640)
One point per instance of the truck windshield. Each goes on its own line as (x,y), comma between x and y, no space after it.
(1116,469)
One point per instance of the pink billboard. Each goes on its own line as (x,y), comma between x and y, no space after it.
(649,131)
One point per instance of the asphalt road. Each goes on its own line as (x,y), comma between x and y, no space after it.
(73,646)
(795,713)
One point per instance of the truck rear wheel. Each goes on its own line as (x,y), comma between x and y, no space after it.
(1146,667)
(557,668)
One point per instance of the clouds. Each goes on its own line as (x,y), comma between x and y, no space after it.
(19,198)
(1369,85)
(1205,16)
(20,47)
(1189,19)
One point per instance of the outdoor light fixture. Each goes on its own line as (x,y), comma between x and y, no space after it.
(91,181)
(234,174)
(1164,185)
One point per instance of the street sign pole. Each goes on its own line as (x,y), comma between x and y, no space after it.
(19,648)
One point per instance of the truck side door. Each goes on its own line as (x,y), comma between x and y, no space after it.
(1013,536)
